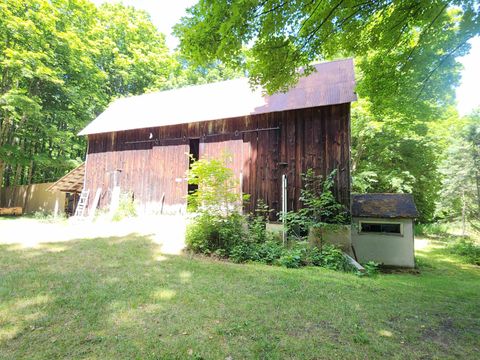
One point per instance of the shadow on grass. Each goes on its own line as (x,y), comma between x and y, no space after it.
(438,257)
(120,297)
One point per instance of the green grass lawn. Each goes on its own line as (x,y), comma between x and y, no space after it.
(119,298)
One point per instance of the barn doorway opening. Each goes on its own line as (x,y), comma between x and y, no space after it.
(194,153)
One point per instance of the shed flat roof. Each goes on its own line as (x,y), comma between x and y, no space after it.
(384,206)
(332,83)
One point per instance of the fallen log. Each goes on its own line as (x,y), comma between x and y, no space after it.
(11,211)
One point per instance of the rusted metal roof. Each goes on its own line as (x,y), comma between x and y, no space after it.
(384,206)
(332,83)
(72,182)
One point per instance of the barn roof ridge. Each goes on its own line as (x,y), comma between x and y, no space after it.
(333,83)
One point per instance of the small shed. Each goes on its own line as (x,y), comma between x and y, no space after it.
(383,228)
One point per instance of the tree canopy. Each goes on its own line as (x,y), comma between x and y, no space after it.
(405,55)
(61,63)
(405,50)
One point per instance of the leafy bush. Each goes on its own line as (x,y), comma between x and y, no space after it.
(432,229)
(268,252)
(332,258)
(126,207)
(466,248)
(209,233)
(258,223)
(217,186)
(242,252)
(219,226)
(291,258)
(320,208)
(371,268)
(220,230)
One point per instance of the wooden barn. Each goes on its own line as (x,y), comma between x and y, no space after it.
(141,144)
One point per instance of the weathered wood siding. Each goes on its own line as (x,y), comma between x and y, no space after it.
(152,162)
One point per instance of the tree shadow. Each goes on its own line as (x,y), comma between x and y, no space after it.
(120,297)
(66,298)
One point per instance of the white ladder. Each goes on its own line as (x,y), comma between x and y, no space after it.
(82,203)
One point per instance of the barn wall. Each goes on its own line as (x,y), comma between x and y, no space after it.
(152,162)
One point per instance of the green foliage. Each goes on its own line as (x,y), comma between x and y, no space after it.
(291,258)
(460,193)
(242,252)
(217,186)
(208,233)
(466,248)
(216,231)
(132,53)
(219,226)
(268,252)
(299,254)
(405,51)
(395,154)
(62,62)
(49,217)
(371,269)
(405,56)
(185,73)
(432,229)
(126,207)
(332,258)
(319,209)
(258,222)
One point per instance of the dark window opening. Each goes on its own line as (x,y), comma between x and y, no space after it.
(384,228)
(194,156)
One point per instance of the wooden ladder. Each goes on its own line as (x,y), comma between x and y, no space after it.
(82,203)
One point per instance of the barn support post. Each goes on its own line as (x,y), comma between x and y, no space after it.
(284,208)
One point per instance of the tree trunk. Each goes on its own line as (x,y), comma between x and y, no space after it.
(477,175)
(464,205)
(15,182)
(2,171)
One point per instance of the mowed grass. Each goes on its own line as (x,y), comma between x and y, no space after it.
(120,298)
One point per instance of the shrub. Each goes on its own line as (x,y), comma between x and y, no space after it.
(332,258)
(198,233)
(291,258)
(218,227)
(371,269)
(209,233)
(220,230)
(269,252)
(126,207)
(258,223)
(314,256)
(216,193)
(466,248)
(320,208)
(242,252)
